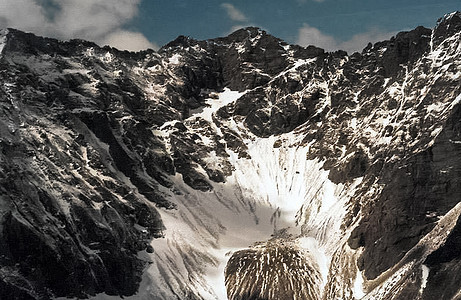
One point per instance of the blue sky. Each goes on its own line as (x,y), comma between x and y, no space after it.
(138,24)
(162,21)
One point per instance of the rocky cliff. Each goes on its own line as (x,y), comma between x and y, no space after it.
(238,167)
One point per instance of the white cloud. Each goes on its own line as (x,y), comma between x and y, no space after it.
(100,21)
(21,14)
(361,40)
(133,41)
(239,19)
(308,35)
(233,13)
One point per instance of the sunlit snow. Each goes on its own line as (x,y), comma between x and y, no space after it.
(425,274)
(175,59)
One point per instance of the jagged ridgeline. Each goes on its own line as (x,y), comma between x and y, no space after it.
(239,167)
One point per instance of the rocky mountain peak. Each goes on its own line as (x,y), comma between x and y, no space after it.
(29,43)
(180,41)
(447,26)
(403,48)
(247,34)
(451,20)
(343,171)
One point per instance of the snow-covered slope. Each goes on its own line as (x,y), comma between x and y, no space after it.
(239,167)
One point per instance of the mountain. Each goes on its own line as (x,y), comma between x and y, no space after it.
(239,167)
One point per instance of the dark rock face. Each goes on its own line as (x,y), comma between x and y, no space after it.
(447,26)
(445,266)
(416,191)
(405,47)
(258,51)
(51,250)
(91,138)
(69,223)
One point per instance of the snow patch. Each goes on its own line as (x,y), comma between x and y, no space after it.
(456,101)
(358,286)
(424,275)
(277,189)
(298,63)
(175,59)
(108,57)
(3,34)
(240,48)
(312,246)
(353,123)
(89,52)
(213,104)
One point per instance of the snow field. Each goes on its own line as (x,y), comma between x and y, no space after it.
(278,188)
